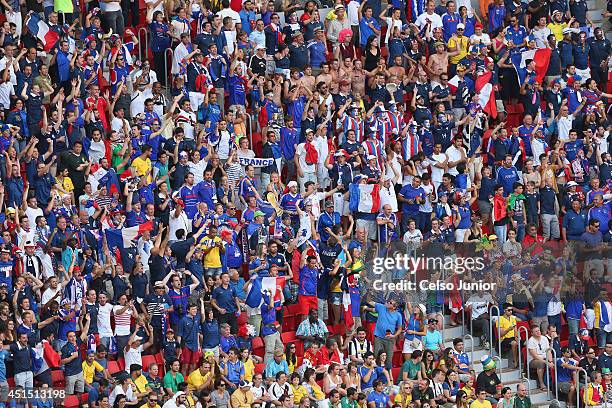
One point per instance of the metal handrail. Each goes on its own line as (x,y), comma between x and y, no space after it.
(556,383)
(463,319)
(586,383)
(498,366)
(491,329)
(250,128)
(141,43)
(168,71)
(443,299)
(520,358)
(471,338)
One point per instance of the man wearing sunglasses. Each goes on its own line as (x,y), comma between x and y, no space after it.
(481,400)
(152,401)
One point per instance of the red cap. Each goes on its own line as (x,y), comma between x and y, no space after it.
(478,26)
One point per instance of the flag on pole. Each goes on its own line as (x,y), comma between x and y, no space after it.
(41,30)
(540,56)
(486,94)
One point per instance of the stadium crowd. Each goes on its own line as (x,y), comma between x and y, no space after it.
(193,192)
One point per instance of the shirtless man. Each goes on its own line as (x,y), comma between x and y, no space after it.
(335,73)
(438,62)
(398,69)
(308,80)
(325,76)
(346,70)
(358,78)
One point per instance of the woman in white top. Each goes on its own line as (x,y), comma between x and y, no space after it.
(332,380)
(352,377)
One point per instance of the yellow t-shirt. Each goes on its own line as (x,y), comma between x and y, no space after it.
(504,324)
(403,401)
(469,391)
(90,370)
(196,379)
(249,370)
(213,258)
(141,167)
(242,399)
(299,392)
(317,392)
(146,405)
(557,30)
(478,404)
(141,383)
(67,184)
(292,367)
(461,43)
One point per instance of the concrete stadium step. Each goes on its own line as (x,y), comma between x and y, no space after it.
(466,343)
(562,404)
(538,396)
(505,363)
(595,15)
(509,374)
(533,384)
(450,333)
(592,4)
(478,353)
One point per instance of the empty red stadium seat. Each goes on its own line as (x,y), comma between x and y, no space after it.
(259,368)
(147,361)
(395,373)
(258,347)
(113,367)
(72,401)
(288,337)
(522,332)
(57,378)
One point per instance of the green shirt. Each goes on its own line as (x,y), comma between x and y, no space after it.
(346,403)
(173,382)
(411,369)
(522,403)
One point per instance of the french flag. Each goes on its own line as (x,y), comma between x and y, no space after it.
(39,29)
(122,242)
(540,56)
(261,285)
(126,237)
(347,310)
(486,94)
(453,84)
(364,198)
